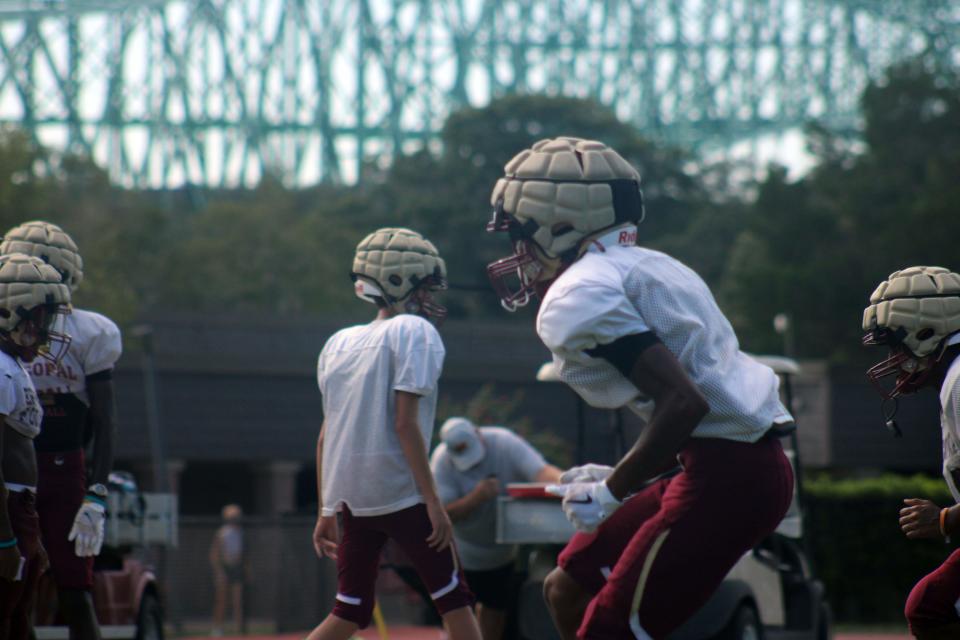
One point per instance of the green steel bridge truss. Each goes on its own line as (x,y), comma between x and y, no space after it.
(216,92)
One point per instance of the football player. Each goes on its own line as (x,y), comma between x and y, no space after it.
(633,327)
(78,403)
(379,387)
(32,301)
(915,313)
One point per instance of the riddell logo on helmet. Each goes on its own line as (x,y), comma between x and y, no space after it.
(627,237)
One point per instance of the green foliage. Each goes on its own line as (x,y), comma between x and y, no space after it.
(816,248)
(859,551)
(488,408)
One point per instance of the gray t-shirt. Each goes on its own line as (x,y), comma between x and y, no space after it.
(511,459)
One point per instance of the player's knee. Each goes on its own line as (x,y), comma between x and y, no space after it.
(559,590)
(356,610)
(917,610)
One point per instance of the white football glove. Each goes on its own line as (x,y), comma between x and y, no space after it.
(586,473)
(87,530)
(586,504)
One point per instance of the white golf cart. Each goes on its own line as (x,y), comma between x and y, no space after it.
(770,593)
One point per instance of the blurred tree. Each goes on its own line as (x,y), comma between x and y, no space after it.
(448,196)
(816,248)
(813,248)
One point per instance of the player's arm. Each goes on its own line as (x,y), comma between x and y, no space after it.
(414,450)
(323,429)
(103,412)
(462,507)
(6,529)
(325,533)
(9,553)
(679,407)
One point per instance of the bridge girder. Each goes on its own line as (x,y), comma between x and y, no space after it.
(216,92)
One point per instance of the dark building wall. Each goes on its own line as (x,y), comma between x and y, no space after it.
(244,391)
(859,438)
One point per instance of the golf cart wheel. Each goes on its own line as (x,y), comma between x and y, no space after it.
(825,623)
(150,618)
(743,626)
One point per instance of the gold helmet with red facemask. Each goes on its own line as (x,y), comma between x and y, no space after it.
(399,268)
(33,302)
(916,313)
(552,199)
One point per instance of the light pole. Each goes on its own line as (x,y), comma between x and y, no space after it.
(783,324)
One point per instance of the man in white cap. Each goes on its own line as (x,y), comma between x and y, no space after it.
(471,467)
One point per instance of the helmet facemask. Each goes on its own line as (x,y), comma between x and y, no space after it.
(41,333)
(911,371)
(420,301)
(915,312)
(526,274)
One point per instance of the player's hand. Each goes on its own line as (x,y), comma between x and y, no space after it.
(442,534)
(87,531)
(9,563)
(586,504)
(326,537)
(920,519)
(586,473)
(488,488)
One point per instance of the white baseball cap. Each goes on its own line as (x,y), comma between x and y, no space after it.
(463,443)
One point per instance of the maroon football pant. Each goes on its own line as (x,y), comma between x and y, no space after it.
(358,561)
(16,597)
(61,487)
(934,600)
(660,557)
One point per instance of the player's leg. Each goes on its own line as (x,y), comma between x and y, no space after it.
(76,606)
(491,621)
(220,588)
(60,490)
(729,497)
(587,560)
(17,597)
(440,571)
(236,597)
(496,590)
(358,560)
(931,608)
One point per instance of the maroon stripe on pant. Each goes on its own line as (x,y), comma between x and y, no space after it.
(17,597)
(358,561)
(681,535)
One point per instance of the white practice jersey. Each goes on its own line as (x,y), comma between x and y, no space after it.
(359,372)
(950,426)
(617,289)
(18,398)
(95,346)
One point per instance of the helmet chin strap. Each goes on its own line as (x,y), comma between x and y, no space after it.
(888,416)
